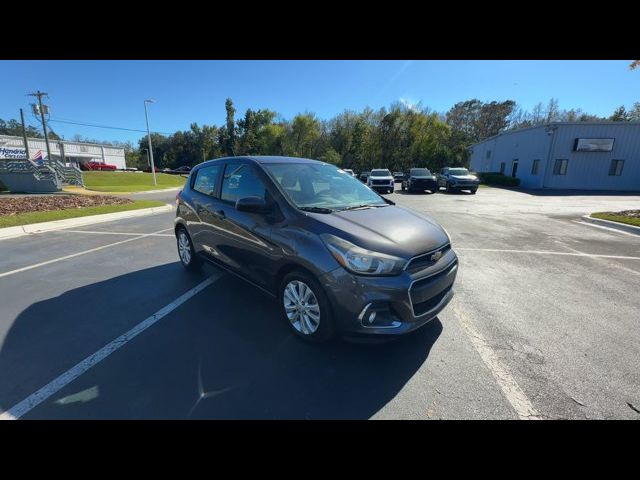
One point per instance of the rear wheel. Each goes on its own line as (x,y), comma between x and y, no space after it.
(305,307)
(188,257)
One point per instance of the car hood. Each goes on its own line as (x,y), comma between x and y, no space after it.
(423,177)
(392,229)
(386,177)
(464,177)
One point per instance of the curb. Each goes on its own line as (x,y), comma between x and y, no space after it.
(19,231)
(609,224)
(172,189)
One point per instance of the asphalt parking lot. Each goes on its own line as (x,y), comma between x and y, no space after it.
(545,324)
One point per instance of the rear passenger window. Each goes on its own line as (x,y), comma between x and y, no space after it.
(240,180)
(206,180)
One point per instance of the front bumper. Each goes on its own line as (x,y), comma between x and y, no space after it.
(398,304)
(465,185)
(423,185)
(386,186)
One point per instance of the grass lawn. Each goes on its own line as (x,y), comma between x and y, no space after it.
(617,218)
(47,216)
(129,181)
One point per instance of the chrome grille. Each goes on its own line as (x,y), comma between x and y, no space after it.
(424,261)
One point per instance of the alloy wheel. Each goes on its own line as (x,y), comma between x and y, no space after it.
(301,307)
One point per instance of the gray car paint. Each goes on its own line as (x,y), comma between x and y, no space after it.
(262,248)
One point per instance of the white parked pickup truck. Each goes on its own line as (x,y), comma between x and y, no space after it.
(381,180)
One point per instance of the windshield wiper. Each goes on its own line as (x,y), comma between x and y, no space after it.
(316,209)
(364,205)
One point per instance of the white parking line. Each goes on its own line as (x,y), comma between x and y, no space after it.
(73,255)
(70,375)
(131,234)
(545,252)
(510,388)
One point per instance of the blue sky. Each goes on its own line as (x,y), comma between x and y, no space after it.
(112,92)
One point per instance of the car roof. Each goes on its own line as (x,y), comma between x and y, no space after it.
(264,160)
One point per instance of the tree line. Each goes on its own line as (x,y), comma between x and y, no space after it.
(398,137)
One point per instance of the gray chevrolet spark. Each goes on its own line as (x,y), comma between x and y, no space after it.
(338,257)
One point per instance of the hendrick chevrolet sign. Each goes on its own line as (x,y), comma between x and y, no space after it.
(8,152)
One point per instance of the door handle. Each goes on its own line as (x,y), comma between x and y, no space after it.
(220,214)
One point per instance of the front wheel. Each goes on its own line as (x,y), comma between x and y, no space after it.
(449,188)
(305,307)
(473,192)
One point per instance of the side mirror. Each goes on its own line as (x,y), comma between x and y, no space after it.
(252,205)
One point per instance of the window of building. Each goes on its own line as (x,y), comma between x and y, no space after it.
(502,167)
(488,154)
(616,167)
(240,180)
(560,167)
(535,167)
(206,180)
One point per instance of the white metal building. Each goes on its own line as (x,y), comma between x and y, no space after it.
(72,152)
(567,155)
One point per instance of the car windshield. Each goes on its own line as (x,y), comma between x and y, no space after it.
(380,173)
(310,185)
(420,172)
(458,171)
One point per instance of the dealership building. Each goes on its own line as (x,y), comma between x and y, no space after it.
(69,153)
(565,155)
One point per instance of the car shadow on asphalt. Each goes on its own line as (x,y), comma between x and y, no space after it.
(225,354)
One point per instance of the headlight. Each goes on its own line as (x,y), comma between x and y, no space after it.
(360,260)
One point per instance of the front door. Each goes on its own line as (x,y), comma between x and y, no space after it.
(514,168)
(242,239)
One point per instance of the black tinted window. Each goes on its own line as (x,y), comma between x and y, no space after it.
(240,180)
(420,172)
(207,179)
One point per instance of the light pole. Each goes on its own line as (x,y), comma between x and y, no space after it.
(146,116)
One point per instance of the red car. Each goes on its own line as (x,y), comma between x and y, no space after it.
(97,166)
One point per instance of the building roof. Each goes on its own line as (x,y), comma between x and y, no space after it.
(547,125)
(64,142)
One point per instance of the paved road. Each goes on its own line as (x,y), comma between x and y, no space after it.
(544,325)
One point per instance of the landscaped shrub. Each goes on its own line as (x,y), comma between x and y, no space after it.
(496,178)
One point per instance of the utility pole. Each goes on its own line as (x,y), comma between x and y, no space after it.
(39,94)
(146,116)
(24,135)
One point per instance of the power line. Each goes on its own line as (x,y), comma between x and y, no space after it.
(105,126)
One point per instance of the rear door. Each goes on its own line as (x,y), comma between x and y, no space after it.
(205,202)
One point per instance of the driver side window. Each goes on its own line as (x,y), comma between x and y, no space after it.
(240,180)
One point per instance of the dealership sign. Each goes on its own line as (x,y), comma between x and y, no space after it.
(593,145)
(9,152)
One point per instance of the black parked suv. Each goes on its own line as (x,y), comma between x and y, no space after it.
(337,257)
(419,180)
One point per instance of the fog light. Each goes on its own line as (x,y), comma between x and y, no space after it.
(378,315)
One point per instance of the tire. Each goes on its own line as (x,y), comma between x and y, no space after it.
(473,192)
(325,327)
(450,189)
(402,187)
(189,258)
(390,190)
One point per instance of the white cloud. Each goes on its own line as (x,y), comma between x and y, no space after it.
(410,104)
